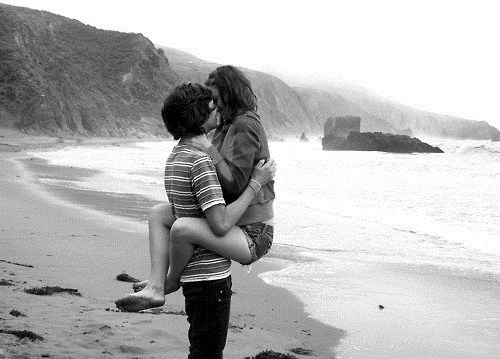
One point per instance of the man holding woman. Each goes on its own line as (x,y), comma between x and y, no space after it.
(184,242)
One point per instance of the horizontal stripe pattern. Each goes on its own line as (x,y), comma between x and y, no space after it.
(201,261)
(192,187)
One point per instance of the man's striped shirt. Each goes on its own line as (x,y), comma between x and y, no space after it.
(192,187)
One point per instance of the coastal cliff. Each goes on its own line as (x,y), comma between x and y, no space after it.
(61,77)
(281,108)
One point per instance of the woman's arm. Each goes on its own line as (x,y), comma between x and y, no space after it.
(222,218)
(242,143)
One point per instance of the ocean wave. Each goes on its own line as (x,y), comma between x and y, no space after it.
(482,149)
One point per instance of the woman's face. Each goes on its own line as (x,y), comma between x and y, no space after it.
(214,117)
(216,100)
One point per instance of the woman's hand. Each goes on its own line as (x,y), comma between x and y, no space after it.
(264,171)
(201,142)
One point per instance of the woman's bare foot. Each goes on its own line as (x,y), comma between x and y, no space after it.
(145,299)
(138,286)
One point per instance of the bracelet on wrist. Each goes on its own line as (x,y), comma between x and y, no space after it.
(255,186)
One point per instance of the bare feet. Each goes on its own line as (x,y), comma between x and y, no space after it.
(145,299)
(138,286)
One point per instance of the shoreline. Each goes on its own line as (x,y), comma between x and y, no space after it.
(428,311)
(69,245)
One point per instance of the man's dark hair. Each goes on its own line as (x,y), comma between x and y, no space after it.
(235,91)
(186,109)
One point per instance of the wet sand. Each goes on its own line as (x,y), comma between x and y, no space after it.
(80,243)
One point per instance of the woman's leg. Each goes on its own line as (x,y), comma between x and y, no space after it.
(187,232)
(161,219)
(152,295)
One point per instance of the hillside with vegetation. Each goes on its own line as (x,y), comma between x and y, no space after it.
(59,76)
(281,108)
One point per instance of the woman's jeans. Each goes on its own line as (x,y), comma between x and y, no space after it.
(207,306)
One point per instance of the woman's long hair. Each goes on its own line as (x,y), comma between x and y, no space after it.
(235,92)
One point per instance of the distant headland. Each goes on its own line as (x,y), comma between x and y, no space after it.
(343,134)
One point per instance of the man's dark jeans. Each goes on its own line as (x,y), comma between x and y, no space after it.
(208,305)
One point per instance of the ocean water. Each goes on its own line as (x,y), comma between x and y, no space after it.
(356,215)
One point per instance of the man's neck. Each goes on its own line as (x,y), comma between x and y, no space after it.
(190,139)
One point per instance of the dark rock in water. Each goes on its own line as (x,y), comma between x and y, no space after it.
(333,143)
(495,135)
(337,129)
(377,141)
(385,142)
(342,126)
(343,134)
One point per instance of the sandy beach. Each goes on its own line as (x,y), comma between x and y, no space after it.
(78,241)
(49,241)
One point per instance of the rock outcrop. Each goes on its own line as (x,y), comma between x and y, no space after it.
(342,126)
(342,134)
(323,104)
(420,122)
(386,142)
(337,129)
